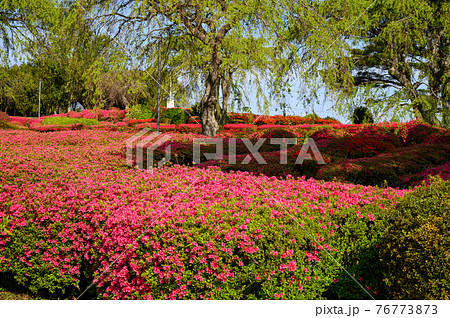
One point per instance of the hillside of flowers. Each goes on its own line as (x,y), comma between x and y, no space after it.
(75,220)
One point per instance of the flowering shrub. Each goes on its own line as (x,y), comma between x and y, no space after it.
(68,219)
(387,168)
(25,121)
(237,118)
(140,121)
(355,147)
(193,120)
(244,127)
(186,128)
(4,117)
(74,115)
(381,133)
(164,127)
(278,133)
(112,115)
(415,132)
(277,120)
(16,125)
(88,114)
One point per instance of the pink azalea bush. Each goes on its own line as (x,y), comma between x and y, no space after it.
(72,213)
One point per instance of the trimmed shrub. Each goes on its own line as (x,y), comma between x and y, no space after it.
(187,128)
(140,111)
(174,116)
(194,120)
(61,121)
(416,247)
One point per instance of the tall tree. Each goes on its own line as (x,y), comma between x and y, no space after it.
(400,48)
(18,19)
(245,29)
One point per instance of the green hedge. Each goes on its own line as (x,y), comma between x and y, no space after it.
(416,247)
(68,121)
(174,116)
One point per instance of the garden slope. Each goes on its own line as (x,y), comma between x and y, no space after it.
(72,213)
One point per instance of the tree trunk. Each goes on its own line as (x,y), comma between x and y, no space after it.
(226,90)
(208,104)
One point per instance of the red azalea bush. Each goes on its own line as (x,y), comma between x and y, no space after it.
(165,127)
(73,114)
(263,120)
(387,168)
(26,121)
(240,118)
(246,127)
(112,115)
(88,114)
(140,121)
(439,137)
(355,147)
(381,133)
(186,128)
(48,128)
(415,132)
(194,120)
(278,133)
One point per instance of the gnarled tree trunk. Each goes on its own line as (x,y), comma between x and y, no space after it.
(208,104)
(226,90)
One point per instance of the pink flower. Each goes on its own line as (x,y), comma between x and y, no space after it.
(292,266)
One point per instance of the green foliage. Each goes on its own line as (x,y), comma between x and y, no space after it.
(174,116)
(416,247)
(61,121)
(39,277)
(196,110)
(331,118)
(5,125)
(312,116)
(357,237)
(362,115)
(141,111)
(386,50)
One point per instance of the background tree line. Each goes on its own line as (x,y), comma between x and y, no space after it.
(392,56)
